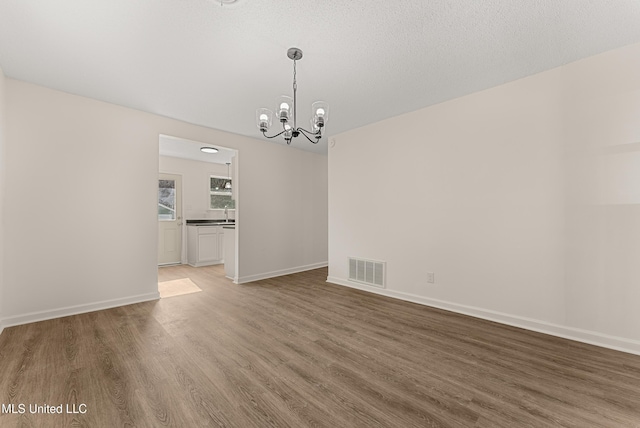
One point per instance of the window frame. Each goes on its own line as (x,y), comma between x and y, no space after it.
(220,193)
(174,210)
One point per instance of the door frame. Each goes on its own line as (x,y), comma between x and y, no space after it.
(235,173)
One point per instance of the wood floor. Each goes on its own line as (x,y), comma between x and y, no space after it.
(298,352)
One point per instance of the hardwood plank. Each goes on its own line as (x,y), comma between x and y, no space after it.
(295,351)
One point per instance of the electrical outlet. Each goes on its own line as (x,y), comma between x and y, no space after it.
(431,278)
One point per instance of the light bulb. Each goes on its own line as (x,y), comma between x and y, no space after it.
(320,112)
(284,106)
(264,117)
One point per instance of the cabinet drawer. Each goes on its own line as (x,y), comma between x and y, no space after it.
(207,230)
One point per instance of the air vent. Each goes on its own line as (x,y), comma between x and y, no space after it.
(368,272)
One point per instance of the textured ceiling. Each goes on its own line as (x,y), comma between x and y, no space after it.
(213,65)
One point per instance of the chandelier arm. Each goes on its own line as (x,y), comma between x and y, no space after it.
(316,135)
(274,136)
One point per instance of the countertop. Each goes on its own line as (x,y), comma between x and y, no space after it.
(210,222)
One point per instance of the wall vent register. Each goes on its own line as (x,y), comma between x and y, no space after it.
(368,272)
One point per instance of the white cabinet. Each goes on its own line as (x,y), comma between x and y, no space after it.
(205,245)
(230,254)
(221,244)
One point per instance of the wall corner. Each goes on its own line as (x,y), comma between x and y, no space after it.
(3,134)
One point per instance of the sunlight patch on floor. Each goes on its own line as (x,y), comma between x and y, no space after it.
(177,287)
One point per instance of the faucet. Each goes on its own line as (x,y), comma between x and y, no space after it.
(226,214)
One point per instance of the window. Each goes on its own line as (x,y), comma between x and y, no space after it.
(220,194)
(166,200)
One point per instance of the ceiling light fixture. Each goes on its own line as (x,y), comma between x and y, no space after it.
(208,150)
(227,185)
(287,112)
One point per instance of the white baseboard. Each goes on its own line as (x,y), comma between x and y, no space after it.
(257,277)
(75,310)
(591,337)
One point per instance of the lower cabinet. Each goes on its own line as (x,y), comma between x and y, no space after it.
(230,252)
(205,245)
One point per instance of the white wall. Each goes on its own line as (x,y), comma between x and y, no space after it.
(286,194)
(195,185)
(602,170)
(82,203)
(3,125)
(486,191)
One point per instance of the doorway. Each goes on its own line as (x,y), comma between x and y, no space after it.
(198,196)
(169,219)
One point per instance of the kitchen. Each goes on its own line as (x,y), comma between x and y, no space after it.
(197,204)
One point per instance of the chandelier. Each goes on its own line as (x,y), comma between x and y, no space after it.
(287,113)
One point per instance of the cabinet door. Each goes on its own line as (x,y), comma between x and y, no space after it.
(220,243)
(207,247)
(192,245)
